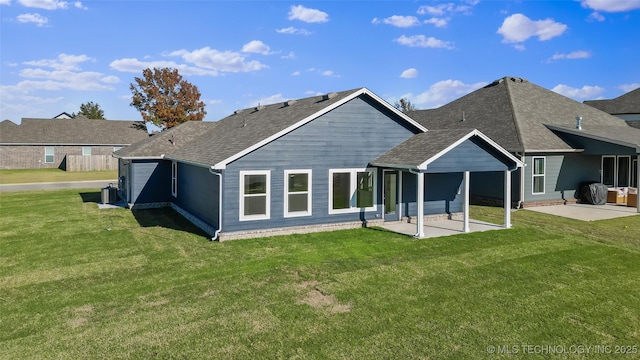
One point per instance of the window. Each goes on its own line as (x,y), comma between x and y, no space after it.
(174,179)
(254,195)
(297,193)
(538,175)
(609,170)
(49,154)
(619,171)
(624,170)
(86,151)
(352,190)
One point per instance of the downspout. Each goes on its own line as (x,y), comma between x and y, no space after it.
(219,175)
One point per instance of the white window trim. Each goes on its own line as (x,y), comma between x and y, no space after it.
(174,179)
(287,193)
(53,155)
(354,186)
(84,152)
(534,175)
(267,214)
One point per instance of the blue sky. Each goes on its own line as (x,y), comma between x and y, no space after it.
(56,55)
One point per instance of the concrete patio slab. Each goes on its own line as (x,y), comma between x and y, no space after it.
(440,228)
(586,212)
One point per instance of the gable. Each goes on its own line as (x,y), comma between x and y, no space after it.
(470,155)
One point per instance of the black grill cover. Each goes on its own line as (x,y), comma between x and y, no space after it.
(594,193)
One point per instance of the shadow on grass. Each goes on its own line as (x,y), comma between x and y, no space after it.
(160,217)
(90,197)
(166,218)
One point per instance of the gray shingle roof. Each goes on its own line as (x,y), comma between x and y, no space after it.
(424,148)
(628,103)
(72,132)
(166,142)
(421,147)
(237,134)
(620,135)
(513,112)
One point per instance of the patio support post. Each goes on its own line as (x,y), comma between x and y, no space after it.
(420,203)
(507,199)
(465,210)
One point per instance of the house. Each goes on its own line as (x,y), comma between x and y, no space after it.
(564,143)
(63,115)
(626,107)
(70,144)
(339,160)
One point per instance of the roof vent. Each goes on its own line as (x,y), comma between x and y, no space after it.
(238,111)
(330,95)
(259,107)
(289,102)
(579,122)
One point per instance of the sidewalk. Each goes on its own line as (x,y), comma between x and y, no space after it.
(57,185)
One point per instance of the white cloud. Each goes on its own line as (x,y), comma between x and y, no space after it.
(290,55)
(296,73)
(580,54)
(214,60)
(409,73)
(585,92)
(62,62)
(423,41)
(299,12)
(611,5)
(273,99)
(45,4)
(519,47)
(293,31)
(437,22)
(519,28)
(443,9)
(399,21)
(256,46)
(596,16)
(5,2)
(629,87)
(442,93)
(327,73)
(32,18)
(79,5)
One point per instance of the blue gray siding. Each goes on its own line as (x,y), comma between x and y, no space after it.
(198,192)
(150,181)
(564,174)
(440,194)
(470,155)
(349,136)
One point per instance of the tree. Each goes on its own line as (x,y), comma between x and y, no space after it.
(164,99)
(89,110)
(404,105)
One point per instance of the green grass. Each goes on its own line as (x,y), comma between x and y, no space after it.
(81,283)
(20,176)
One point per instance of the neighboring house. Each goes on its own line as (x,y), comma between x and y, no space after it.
(339,160)
(63,115)
(563,143)
(69,144)
(626,107)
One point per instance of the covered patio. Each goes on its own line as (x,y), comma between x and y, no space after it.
(449,151)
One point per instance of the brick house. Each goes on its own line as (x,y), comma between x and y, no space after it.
(69,144)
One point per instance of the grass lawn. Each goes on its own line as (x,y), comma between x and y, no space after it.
(20,176)
(81,283)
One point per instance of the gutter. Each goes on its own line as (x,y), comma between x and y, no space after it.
(219,175)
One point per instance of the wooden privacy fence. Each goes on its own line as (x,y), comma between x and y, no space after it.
(91,163)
